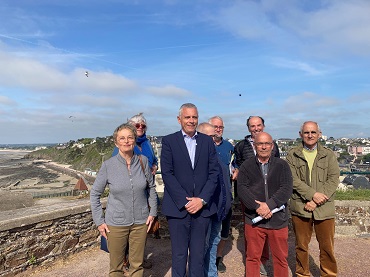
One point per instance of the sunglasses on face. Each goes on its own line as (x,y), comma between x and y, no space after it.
(138,125)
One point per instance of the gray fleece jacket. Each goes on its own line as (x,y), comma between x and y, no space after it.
(128,192)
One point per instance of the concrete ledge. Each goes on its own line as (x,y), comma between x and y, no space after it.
(11,200)
(32,215)
(352,203)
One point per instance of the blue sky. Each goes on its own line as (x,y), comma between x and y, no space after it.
(290,61)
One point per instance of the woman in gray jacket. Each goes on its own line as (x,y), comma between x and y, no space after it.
(131,206)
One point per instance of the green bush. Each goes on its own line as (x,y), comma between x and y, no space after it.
(90,156)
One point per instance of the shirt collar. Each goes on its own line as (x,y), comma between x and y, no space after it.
(187,136)
(308,149)
(262,162)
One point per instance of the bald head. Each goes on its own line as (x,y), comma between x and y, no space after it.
(263,144)
(206,129)
(263,136)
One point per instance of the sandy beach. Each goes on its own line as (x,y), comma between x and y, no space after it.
(36,178)
(19,175)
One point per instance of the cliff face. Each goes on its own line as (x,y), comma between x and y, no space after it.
(81,157)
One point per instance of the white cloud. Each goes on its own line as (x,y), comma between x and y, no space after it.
(320,28)
(245,19)
(103,82)
(308,103)
(339,25)
(168,90)
(29,73)
(34,75)
(6,101)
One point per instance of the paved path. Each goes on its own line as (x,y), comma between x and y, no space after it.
(352,255)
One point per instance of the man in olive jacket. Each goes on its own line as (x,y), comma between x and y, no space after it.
(315,173)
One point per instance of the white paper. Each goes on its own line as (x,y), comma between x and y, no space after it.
(259,218)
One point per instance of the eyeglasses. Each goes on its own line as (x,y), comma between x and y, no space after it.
(124,138)
(138,125)
(218,127)
(314,133)
(260,144)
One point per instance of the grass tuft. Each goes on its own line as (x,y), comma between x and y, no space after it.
(358,194)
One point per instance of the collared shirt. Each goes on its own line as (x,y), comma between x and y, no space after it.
(264,168)
(250,139)
(191,144)
(313,149)
(225,151)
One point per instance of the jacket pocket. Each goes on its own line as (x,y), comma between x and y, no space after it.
(119,217)
(322,170)
(301,170)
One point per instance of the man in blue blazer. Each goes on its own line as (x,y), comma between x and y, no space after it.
(189,169)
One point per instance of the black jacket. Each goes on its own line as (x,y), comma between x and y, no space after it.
(276,191)
(244,151)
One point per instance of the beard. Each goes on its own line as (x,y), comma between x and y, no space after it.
(217,138)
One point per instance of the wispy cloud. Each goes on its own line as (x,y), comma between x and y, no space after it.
(299,65)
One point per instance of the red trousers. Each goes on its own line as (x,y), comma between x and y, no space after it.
(278,240)
(265,253)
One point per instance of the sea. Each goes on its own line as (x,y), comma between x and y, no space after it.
(11,154)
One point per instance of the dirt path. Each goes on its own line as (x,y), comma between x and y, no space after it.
(352,254)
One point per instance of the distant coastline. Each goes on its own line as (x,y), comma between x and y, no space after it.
(25,147)
(15,150)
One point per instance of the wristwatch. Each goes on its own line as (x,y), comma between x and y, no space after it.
(203,202)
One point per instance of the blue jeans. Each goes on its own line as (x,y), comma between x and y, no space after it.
(212,239)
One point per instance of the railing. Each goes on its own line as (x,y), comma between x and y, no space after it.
(50,195)
(354,172)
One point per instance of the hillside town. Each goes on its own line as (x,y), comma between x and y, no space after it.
(353,156)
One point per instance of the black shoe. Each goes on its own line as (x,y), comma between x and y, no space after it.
(147,264)
(221,267)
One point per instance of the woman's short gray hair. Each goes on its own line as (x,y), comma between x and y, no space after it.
(138,118)
(124,126)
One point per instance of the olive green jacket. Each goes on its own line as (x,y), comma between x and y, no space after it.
(324,179)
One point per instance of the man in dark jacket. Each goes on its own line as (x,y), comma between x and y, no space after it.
(189,168)
(223,200)
(243,151)
(265,184)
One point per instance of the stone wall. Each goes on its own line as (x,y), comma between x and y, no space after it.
(352,218)
(38,235)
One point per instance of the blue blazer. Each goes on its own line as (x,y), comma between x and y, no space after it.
(181,180)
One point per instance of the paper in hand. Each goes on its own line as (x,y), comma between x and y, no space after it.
(259,218)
